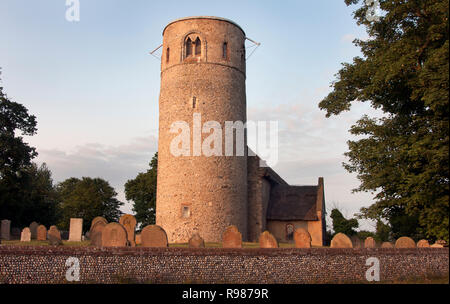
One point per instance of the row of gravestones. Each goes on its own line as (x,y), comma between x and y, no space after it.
(340,240)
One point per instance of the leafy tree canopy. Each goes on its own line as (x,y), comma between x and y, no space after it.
(142,191)
(403,157)
(87,198)
(341,224)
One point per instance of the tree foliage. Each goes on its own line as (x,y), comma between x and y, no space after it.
(142,191)
(87,198)
(341,224)
(403,157)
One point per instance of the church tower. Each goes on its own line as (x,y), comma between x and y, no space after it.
(202,75)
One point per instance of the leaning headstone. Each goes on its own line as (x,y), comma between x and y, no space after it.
(356,242)
(33,230)
(436,245)
(25,236)
(340,240)
(95,234)
(232,238)
(387,245)
(302,238)
(196,241)
(441,242)
(76,229)
(129,222)
(98,219)
(154,236)
(138,239)
(423,244)
(405,242)
(6,230)
(267,240)
(370,242)
(114,235)
(54,232)
(41,233)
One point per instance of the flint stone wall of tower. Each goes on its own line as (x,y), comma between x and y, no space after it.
(198,193)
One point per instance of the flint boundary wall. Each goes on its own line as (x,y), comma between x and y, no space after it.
(44,265)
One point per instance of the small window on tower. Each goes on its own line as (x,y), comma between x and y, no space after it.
(225,50)
(188,47)
(198,47)
(185,212)
(167,54)
(194,102)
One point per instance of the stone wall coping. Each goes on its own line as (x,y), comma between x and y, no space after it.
(176,251)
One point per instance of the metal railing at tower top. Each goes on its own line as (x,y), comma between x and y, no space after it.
(255,45)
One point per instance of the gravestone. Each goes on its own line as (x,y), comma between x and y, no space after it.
(423,244)
(405,242)
(387,245)
(76,229)
(356,242)
(138,239)
(6,230)
(302,238)
(25,236)
(267,240)
(231,238)
(196,241)
(340,240)
(436,245)
(54,232)
(154,236)
(95,235)
(114,235)
(370,242)
(129,222)
(98,219)
(41,233)
(33,230)
(441,242)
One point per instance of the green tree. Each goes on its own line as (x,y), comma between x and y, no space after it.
(341,224)
(142,191)
(87,198)
(404,71)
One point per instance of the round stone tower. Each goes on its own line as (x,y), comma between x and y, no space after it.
(202,73)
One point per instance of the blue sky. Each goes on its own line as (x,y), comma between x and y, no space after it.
(94,88)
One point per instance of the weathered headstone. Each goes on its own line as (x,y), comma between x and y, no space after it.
(356,241)
(33,230)
(387,245)
(54,232)
(114,235)
(76,229)
(98,219)
(95,235)
(423,244)
(41,233)
(25,236)
(267,240)
(340,240)
(302,238)
(53,240)
(436,245)
(138,239)
(405,242)
(441,242)
(6,230)
(129,222)
(196,241)
(231,238)
(154,236)
(370,242)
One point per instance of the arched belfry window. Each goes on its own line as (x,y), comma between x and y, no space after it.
(188,47)
(198,47)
